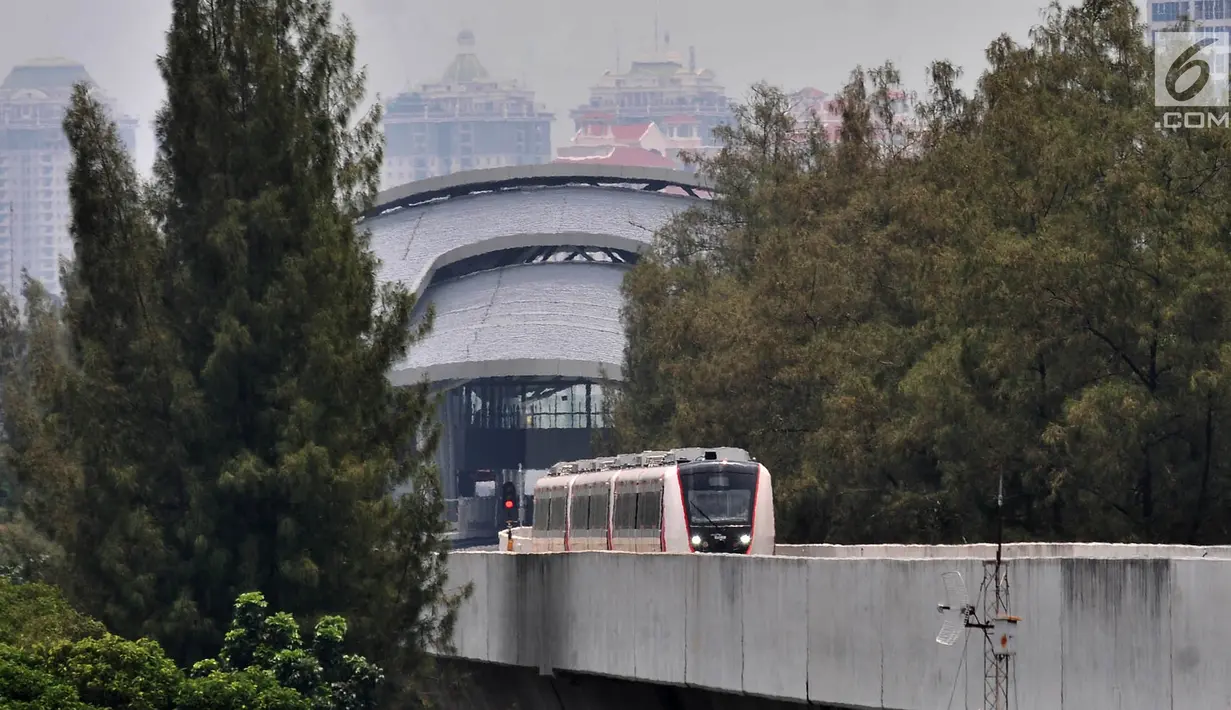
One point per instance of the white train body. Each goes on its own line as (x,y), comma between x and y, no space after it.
(684,500)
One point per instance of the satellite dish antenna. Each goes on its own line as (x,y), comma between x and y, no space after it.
(956,609)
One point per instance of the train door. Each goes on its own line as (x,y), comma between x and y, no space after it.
(624,517)
(597,504)
(649,515)
(557,518)
(549,519)
(581,536)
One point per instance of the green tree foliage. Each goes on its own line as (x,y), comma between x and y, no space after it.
(35,613)
(263,663)
(209,412)
(25,553)
(1031,284)
(268,648)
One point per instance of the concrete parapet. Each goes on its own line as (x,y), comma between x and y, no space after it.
(1114,628)
(1018,550)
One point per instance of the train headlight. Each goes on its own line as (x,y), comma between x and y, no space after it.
(696,540)
(745,539)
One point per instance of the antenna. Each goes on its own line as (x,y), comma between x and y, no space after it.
(998,626)
(617,35)
(656,33)
(999,519)
(956,609)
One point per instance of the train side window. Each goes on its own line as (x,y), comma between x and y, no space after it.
(626,510)
(581,511)
(653,512)
(621,502)
(541,509)
(559,512)
(597,522)
(648,508)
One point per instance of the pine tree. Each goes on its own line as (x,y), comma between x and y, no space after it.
(289,339)
(225,404)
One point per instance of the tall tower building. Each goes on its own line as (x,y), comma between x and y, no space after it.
(684,102)
(1211,14)
(466,120)
(34,162)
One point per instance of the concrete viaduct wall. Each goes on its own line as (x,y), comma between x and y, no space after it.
(1135,631)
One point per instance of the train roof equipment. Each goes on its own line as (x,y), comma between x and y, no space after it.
(650,459)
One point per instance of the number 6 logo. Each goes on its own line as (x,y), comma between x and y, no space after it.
(1182,64)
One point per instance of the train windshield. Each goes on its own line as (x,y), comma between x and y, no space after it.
(718,494)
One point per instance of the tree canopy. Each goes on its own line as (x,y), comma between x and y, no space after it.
(209,411)
(52,658)
(1031,283)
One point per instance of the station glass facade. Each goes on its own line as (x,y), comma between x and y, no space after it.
(492,426)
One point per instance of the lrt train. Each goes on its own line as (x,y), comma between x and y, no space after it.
(683,500)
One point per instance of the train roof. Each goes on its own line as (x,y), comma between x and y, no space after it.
(650,459)
(562,482)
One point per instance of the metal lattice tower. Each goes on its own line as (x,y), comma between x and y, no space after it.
(998,650)
(997,624)
(998,669)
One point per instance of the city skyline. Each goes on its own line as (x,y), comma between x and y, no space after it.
(28,247)
(794,43)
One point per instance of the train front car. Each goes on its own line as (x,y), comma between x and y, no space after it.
(728,506)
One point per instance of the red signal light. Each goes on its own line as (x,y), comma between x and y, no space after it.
(508,504)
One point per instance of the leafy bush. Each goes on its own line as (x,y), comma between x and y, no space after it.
(51,657)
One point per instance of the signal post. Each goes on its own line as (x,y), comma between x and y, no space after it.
(509,501)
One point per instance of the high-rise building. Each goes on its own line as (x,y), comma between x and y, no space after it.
(684,102)
(34,162)
(1206,13)
(467,120)
(1209,17)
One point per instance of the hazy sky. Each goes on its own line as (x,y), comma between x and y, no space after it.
(557,47)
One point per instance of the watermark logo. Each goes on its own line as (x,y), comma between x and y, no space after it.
(1190,77)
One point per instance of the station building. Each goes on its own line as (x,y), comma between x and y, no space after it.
(523,267)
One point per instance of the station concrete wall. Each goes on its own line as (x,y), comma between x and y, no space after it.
(1125,632)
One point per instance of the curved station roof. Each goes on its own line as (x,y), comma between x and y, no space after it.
(523,265)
